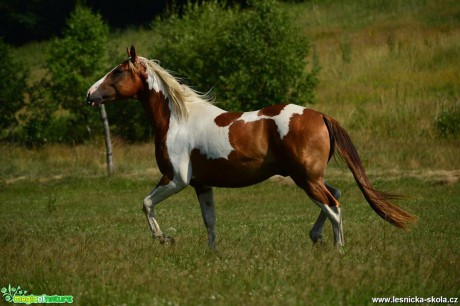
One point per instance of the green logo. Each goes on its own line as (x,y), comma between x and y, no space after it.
(18,295)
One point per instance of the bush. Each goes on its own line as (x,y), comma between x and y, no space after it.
(252,57)
(13,74)
(36,116)
(448,121)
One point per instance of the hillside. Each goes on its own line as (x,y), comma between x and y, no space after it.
(388,69)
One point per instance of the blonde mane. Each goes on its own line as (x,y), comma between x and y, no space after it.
(180,95)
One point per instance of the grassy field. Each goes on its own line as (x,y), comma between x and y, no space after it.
(87,237)
(388,69)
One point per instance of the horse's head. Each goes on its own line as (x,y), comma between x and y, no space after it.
(122,82)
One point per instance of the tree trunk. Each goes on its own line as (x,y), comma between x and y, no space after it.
(108,141)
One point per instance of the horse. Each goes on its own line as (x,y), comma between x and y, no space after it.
(204,146)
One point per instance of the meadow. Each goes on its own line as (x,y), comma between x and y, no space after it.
(87,237)
(388,70)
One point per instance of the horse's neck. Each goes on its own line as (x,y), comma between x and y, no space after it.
(157,109)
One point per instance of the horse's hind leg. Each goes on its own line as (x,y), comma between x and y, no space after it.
(334,214)
(334,191)
(206,199)
(316,233)
(321,196)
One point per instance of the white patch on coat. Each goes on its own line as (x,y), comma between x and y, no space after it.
(152,81)
(202,133)
(198,132)
(98,83)
(282,119)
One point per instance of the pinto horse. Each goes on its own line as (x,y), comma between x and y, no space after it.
(199,144)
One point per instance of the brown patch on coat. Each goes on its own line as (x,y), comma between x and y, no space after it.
(158,112)
(227,118)
(260,153)
(307,147)
(272,110)
(251,161)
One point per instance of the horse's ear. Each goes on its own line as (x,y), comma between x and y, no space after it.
(132,54)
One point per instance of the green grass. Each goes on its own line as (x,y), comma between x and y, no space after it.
(87,237)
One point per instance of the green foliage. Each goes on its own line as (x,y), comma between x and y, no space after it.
(252,58)
(37,115)
(74,61)
(448,121)
(127,120)
(13,75)
(56,109)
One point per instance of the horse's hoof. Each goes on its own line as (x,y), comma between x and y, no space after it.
(315,238)
(167,240)
(341,250)
(319,242)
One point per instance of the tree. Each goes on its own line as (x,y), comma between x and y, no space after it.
(251,58)
(74,62)
(13,74)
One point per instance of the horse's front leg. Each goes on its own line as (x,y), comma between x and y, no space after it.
(206,198)
(160,193)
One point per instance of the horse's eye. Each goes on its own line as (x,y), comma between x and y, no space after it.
(118,71)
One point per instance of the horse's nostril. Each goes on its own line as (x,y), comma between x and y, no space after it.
(92,100)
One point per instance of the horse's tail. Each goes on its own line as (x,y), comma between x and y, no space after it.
(378,200)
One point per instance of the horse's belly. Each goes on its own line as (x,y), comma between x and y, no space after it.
(234,171)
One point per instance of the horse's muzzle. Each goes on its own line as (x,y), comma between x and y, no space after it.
(93,101)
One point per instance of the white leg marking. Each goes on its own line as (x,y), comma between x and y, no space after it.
(337,226)
(159,194)
(335,215)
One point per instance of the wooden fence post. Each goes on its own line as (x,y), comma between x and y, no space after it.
(108,141)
